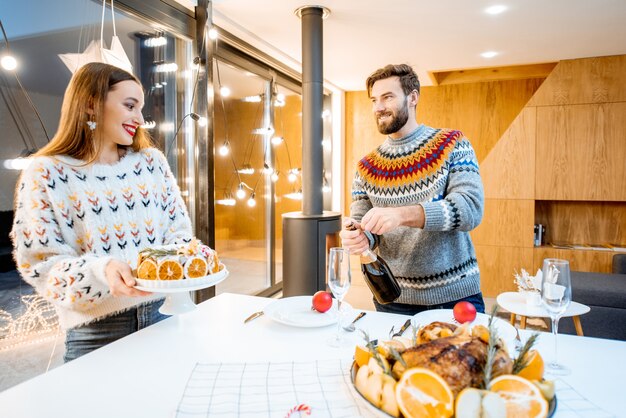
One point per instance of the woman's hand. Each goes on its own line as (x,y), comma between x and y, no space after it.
(355,241)
(121,280)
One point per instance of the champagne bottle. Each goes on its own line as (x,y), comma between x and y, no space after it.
(378,275)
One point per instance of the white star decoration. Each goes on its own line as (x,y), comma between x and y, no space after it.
(96,52)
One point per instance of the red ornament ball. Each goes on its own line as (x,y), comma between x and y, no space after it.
(322,301)
(464,312)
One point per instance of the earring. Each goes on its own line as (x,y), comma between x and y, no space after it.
(92,124)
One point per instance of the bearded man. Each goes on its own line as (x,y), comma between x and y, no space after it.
(414,199)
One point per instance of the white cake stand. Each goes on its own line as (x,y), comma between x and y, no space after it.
(177,299)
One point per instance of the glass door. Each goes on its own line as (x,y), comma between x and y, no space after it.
(258,141)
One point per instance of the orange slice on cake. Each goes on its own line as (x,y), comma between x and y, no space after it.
(195,267)
(147,270)
(170,270)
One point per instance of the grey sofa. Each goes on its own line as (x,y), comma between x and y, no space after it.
(605,294)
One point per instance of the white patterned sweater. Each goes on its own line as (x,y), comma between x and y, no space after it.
(72,219)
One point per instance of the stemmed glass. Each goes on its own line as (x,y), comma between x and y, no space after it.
(556,295)
(339,277)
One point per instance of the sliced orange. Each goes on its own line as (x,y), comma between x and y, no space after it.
(147,270)
(534,367)
(361,355)
(423,393)
(170,270)
(215,263)
(195,267)
(522,397)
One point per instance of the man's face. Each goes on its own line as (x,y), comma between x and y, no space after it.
(390,105)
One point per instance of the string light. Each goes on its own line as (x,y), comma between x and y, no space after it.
(294,195)
(293,175)
(251,201)
(267,169)
(228,200)
(240,193)
(8,62)
(277,140)
(224,91)
(39,319)
(246,169)
(213,34)
(274,176)
(225,148)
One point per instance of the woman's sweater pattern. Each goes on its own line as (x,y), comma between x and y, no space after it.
(72,219)
(437,169)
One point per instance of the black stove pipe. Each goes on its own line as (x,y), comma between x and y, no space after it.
(312,97)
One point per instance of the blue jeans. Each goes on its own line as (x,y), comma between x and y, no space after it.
(82,340)
(406,309)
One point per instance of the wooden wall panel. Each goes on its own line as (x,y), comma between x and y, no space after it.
(482,111)
(508,171)
(497,266)
(506,222)
(588,80)
(582,222)
(581,152)
(579,260)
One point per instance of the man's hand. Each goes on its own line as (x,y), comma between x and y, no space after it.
(121,280)
(355,241)
(381,220)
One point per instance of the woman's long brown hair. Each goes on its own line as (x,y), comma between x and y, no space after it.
(83,101)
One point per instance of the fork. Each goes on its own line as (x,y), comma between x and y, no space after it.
(404,327)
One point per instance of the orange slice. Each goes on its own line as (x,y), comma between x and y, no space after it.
(534,368)
(147,270)
(423,393)
(361,355)
(522,397)
(215,263)
(170,270)
(195,267)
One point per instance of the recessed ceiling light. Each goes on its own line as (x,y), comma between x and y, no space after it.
(496,9)
(489,54)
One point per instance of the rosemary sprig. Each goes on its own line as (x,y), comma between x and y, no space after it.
(522,361)
(369,344)
(492,349)
(152,252)
(398,357)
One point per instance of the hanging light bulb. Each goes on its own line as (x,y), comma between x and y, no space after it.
(203,121)
(251,201)
(274,176)
(224,91)
(276,140)
(213,33)
(293,175)
(224,149)
(240,193)
(8,62)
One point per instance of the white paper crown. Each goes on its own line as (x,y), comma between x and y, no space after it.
(96,50)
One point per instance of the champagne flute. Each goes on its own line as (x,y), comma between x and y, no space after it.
(556,295)
(339,277)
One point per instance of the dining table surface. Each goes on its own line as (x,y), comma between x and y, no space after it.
(145,374)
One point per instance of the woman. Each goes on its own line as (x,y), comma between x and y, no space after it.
(88,203)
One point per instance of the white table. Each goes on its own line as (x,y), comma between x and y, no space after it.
(515,302)
(144,375)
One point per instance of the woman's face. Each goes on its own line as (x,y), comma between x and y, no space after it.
(122,113)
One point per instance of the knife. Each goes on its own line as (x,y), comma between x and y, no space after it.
(404,327)
(253,316)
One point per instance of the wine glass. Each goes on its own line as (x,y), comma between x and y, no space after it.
(339,277)
(556,295)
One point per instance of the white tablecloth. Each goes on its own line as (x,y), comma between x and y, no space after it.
(147,373)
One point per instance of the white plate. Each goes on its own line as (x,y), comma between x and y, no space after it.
(296,311)
(186,285)
(505,330)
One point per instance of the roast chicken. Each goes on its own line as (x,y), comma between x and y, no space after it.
(458,359)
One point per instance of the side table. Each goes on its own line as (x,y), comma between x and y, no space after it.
(515,303)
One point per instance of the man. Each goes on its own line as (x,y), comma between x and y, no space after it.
(416,197)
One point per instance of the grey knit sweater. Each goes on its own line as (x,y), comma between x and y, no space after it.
(437,169)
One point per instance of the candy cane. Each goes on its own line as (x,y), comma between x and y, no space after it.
(299,408)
